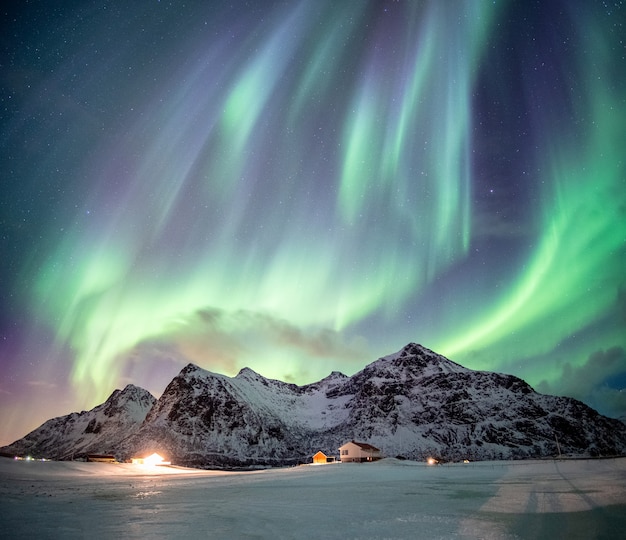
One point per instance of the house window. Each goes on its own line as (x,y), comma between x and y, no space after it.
(344,452)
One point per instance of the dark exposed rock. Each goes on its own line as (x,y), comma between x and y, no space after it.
(100,430)
(414,404)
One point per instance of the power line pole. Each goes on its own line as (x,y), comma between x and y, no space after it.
(558,446)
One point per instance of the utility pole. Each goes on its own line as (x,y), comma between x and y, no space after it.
(558,446)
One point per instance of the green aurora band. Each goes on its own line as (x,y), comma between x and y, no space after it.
(215,226)
(576,273)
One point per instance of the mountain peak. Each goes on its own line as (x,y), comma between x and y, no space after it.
(335,375)
(130,393)
(417,360)
(248,373)
(132,401)
(415,349)
(190,368)
(99,430)
(414,403)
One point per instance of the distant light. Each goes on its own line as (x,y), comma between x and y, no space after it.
(432,461)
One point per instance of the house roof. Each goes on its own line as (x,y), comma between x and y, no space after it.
(365,446)
(318,453)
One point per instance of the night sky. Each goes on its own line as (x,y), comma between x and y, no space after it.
(305,186)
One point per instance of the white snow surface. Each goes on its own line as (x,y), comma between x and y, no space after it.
(312,409)
(387,499)
(412,404)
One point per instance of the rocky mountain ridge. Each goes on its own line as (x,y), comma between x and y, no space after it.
(100,430)
(413,404)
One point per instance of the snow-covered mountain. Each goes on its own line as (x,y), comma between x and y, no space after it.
(99,430)
(414,403)
(206,418)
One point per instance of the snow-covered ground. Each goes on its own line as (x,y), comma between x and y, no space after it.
(387,499)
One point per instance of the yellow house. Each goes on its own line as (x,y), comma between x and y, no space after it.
(320,458)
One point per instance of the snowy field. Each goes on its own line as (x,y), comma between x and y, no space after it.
(387,499)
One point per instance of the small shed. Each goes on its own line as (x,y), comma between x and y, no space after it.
(359,452)
(320,458)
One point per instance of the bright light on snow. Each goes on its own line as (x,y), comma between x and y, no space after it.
(154,459)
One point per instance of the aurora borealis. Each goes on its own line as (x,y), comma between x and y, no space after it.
(304,186)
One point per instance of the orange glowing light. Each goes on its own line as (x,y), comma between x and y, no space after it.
(153,460)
